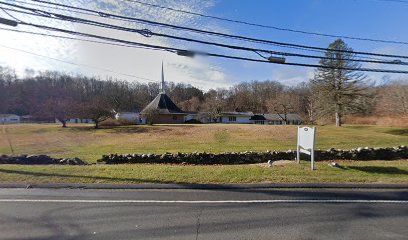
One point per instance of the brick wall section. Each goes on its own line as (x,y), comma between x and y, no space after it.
(169,119)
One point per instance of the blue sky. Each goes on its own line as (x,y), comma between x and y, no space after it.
(359,18)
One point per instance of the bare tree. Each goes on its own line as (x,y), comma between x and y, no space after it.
(97,109)
(282,106)
(214,105)
(393,99)
(151,115)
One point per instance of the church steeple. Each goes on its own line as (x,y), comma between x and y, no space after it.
(163,85)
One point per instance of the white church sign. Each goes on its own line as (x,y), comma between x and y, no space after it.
(306,143)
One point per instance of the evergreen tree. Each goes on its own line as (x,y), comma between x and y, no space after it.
(338,91)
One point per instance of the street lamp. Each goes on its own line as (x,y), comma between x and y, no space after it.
(8,22)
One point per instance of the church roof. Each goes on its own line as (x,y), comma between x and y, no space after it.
(164,104)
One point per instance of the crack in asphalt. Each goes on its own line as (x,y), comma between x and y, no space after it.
(198,223)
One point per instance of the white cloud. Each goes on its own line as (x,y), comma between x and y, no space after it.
(291,76)
(129,61)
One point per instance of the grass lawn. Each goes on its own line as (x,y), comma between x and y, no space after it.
(89,144)
(350,171)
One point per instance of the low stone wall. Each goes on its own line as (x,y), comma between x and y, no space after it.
(39,160)
(392,153)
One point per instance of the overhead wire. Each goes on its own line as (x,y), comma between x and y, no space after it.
(177,50)
(72,38)
(269,26)
(243,38)
(148,33)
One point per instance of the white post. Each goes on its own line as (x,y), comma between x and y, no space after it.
(298,154)
(312,158)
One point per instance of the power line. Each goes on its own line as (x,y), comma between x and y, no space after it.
(178,50)
(269,26)
(275,43)
(71,38)
(149,33)
(76,64)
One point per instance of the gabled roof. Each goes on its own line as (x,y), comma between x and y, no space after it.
(164,104)
(258,117)
(238,114)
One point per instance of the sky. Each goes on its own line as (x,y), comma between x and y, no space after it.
(377,19)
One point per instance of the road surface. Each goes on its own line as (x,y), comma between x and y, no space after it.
(203,214)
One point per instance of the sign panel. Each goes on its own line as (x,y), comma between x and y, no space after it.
(306,143)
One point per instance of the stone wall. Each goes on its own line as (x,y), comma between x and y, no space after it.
(392,153)
(39,160)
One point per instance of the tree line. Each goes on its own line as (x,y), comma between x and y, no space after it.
(331,94)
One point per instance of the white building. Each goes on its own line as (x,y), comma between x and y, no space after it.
(202,117)
(77,120)
(9,118)
(133,117)
(277,119)
(235,117)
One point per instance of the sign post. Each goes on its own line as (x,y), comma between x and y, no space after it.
(306,143)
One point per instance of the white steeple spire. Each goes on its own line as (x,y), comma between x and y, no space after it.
(163,85)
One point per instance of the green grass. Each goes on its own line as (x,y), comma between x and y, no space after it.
(86,143)
(399,131)
(350,172)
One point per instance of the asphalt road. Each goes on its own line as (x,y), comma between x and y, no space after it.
(203,214)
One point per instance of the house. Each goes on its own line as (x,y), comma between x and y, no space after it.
(168,112)
(9,118)
(235,117)
(225,117)
(277,119)
(36,119)
(202,117)
(76,120)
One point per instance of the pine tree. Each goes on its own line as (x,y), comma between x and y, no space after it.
(336,90)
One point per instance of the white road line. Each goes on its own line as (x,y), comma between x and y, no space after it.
(199,201)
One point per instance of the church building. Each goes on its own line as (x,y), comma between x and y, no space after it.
(167,110)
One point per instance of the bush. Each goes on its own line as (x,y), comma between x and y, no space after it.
(114,123)
(193,121)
